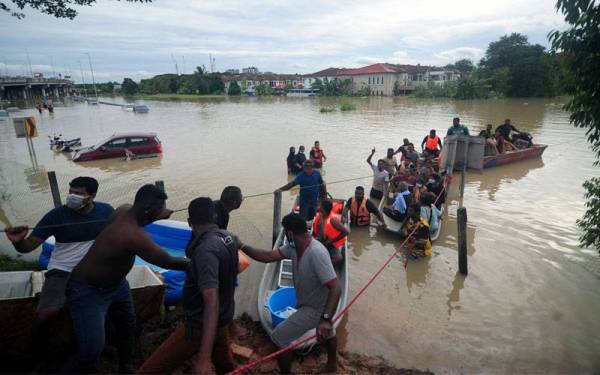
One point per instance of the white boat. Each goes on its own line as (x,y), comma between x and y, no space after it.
(280,275)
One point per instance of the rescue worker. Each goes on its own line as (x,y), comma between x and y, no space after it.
(361,209)
(317,155)
(329,230)
(431,145)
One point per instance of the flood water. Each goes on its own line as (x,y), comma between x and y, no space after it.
(531,300)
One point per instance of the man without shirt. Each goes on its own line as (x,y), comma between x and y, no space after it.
(317,290)
(74,226)
(98,282)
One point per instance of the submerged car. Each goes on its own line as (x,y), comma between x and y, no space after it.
(123,145)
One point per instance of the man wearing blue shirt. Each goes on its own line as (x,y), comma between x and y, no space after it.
(74,226)
(311,185)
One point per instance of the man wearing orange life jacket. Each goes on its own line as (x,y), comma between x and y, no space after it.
(361,209)
(317,155)
(431,145)
(329,230)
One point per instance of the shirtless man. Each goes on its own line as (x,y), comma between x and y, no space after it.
(98,282)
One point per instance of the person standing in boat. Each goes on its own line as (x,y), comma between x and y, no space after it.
(457,128)
(380,177)
(431,145)
(330,231)
(317,288)
(311,187)
(98,282)
(74,226)
(361,209)
(391,164)
(317,155)
(208,300)
(291,160)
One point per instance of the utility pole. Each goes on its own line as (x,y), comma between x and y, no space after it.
(175,62)
(82,80)
(29,62)
(92,70)
(52,63)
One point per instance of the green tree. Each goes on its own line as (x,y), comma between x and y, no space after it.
(462,65)
(317,85)
(263,89)
(234,88)
(56,8)
(580,44)
(129,87)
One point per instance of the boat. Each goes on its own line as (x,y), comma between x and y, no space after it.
(514,156)
(278,275)
(393,226)
(172,235)
(140,108)
(18,301)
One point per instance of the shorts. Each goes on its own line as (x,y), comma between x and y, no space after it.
(308,210)
(291,329)
(376,194)
(53,291)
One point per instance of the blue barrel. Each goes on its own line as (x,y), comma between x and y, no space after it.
(278,301)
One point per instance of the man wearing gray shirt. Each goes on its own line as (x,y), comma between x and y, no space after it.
(317,289)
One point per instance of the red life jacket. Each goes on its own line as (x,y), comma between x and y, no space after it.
(432,143)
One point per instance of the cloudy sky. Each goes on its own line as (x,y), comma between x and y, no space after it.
(141,40)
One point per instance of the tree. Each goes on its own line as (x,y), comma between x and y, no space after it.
(56,8)
(129,87)
(580,44)
(234,88)
(263,89)
(462,65)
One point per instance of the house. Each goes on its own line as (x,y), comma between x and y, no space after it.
(328,74)
(232,71)
(250,70)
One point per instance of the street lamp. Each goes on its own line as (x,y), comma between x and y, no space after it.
(92,70)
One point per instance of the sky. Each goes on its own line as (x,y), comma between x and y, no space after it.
(141,40)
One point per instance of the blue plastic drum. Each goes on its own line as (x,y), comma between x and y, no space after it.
(279,302)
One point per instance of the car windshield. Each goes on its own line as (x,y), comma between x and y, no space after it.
(104,141)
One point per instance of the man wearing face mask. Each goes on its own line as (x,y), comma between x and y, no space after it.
(75,226)
(317,290)
(98,282)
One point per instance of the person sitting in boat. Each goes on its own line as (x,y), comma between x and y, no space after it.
(435,186)
(522,140)
(490,140)
(506,128)
(317,287)
(457,128)
(401,202)
(407,175)
(391,164)
(420,188)
(429,212)
(311,187)
(291,161)
(360,209)
(411,156)
(431,145)
(419,243)
(300,159)
(380,177)
(74,226)
(317,155)
(502,144)
(328,228)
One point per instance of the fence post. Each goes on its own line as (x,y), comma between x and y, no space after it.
(462,240)
(54,189)
(276,214)
(160,184)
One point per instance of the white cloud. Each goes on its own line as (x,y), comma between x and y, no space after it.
(471,53)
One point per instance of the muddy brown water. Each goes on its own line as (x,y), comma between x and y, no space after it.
(530,302)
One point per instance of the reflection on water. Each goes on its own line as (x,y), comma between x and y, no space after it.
(521,231)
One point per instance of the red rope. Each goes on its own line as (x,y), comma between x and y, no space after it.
(295,344)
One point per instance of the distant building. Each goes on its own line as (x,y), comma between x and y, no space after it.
(250,70)
(328,74)
(232,71)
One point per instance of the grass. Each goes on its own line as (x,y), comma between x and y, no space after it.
(347,107)
(327,109)
(8,263)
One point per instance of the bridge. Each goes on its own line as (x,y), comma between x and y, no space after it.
(30,90)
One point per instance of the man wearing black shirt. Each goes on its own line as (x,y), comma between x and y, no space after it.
(506,128)
(231,199)
(208,299)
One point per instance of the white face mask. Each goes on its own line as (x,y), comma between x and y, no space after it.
(75,201)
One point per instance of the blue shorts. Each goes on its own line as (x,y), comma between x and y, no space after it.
(308,209)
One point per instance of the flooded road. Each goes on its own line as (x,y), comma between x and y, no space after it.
(531,300)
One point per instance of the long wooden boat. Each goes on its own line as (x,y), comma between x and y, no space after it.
(280,274)
(514,156)
(18,300)
(393,226)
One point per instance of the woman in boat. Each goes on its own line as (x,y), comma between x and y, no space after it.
(329,230)
(291,160)
(317,155)
(419,244)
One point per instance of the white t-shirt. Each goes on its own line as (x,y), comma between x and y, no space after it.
(379,178)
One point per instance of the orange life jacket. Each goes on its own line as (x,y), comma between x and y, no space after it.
(360,215)
(329,230)
(432,143)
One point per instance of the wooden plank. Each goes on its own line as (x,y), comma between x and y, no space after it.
(462,240)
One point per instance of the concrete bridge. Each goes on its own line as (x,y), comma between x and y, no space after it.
(31,90)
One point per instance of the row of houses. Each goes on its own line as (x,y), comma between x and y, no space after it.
(381,79)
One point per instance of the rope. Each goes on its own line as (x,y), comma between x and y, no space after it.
(373,277)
